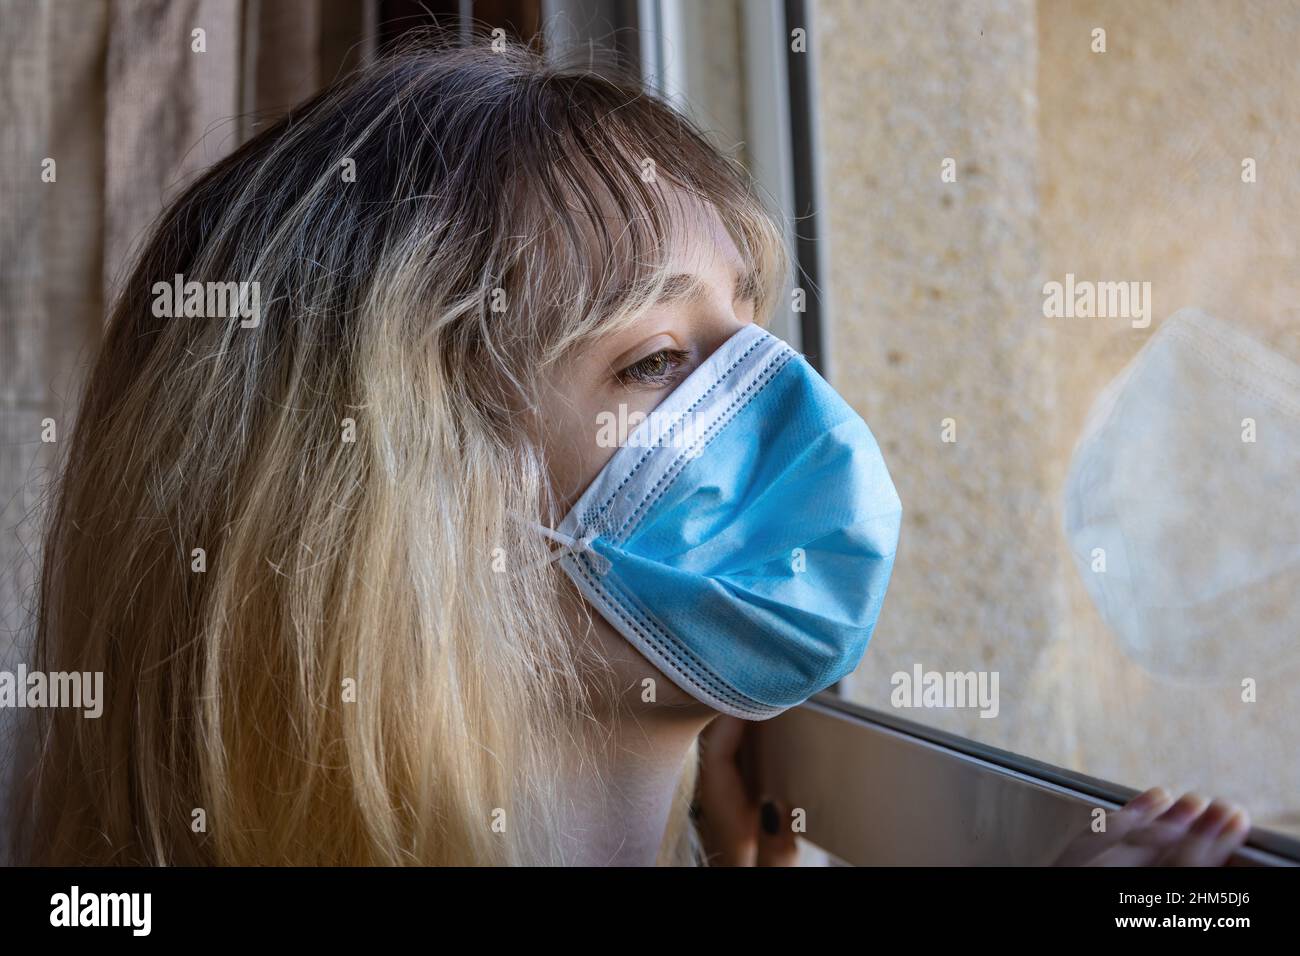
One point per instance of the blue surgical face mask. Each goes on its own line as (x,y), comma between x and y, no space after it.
(743,535)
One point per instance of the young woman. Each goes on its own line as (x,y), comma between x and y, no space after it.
(323,548)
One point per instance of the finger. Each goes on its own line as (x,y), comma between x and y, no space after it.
(727,816)
(1195,843)
(1201,846)
(777,844)
(1119,823)
(1135,814)
(721,783)
(720,741)
(1233,836)
(1145,844)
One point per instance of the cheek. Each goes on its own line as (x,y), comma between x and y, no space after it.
(592,427)
(574,470)
(574,447)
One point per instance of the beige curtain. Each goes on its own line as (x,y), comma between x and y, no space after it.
(116,94)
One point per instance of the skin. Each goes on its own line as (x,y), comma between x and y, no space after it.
(649,742)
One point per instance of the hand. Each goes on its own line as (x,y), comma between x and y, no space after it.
(735,828)
(1153,829)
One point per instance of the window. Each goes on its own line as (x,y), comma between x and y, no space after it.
(1042,259)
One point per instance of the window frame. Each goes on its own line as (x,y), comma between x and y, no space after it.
(946,800)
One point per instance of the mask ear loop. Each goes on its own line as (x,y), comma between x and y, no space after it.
(572,545)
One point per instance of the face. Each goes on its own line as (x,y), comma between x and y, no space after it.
(708,299)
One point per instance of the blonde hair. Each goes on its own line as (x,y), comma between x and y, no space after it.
(390,568)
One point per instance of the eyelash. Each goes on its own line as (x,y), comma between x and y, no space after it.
(656,370)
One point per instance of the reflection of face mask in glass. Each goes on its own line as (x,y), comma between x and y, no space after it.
(743,537)
(1183,503)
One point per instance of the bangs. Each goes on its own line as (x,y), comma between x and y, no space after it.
(609,185)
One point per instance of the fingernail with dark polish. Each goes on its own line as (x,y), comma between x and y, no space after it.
(770,818)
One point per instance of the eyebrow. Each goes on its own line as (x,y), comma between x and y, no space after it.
(684,287)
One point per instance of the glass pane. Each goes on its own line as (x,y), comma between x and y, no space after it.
(1063,286)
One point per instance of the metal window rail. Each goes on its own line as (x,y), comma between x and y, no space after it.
(878,790)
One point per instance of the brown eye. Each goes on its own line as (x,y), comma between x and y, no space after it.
(655,370)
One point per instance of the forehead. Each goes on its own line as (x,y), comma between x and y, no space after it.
(687,224)
(699,243)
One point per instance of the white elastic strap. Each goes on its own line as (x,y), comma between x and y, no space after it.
(570,544)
